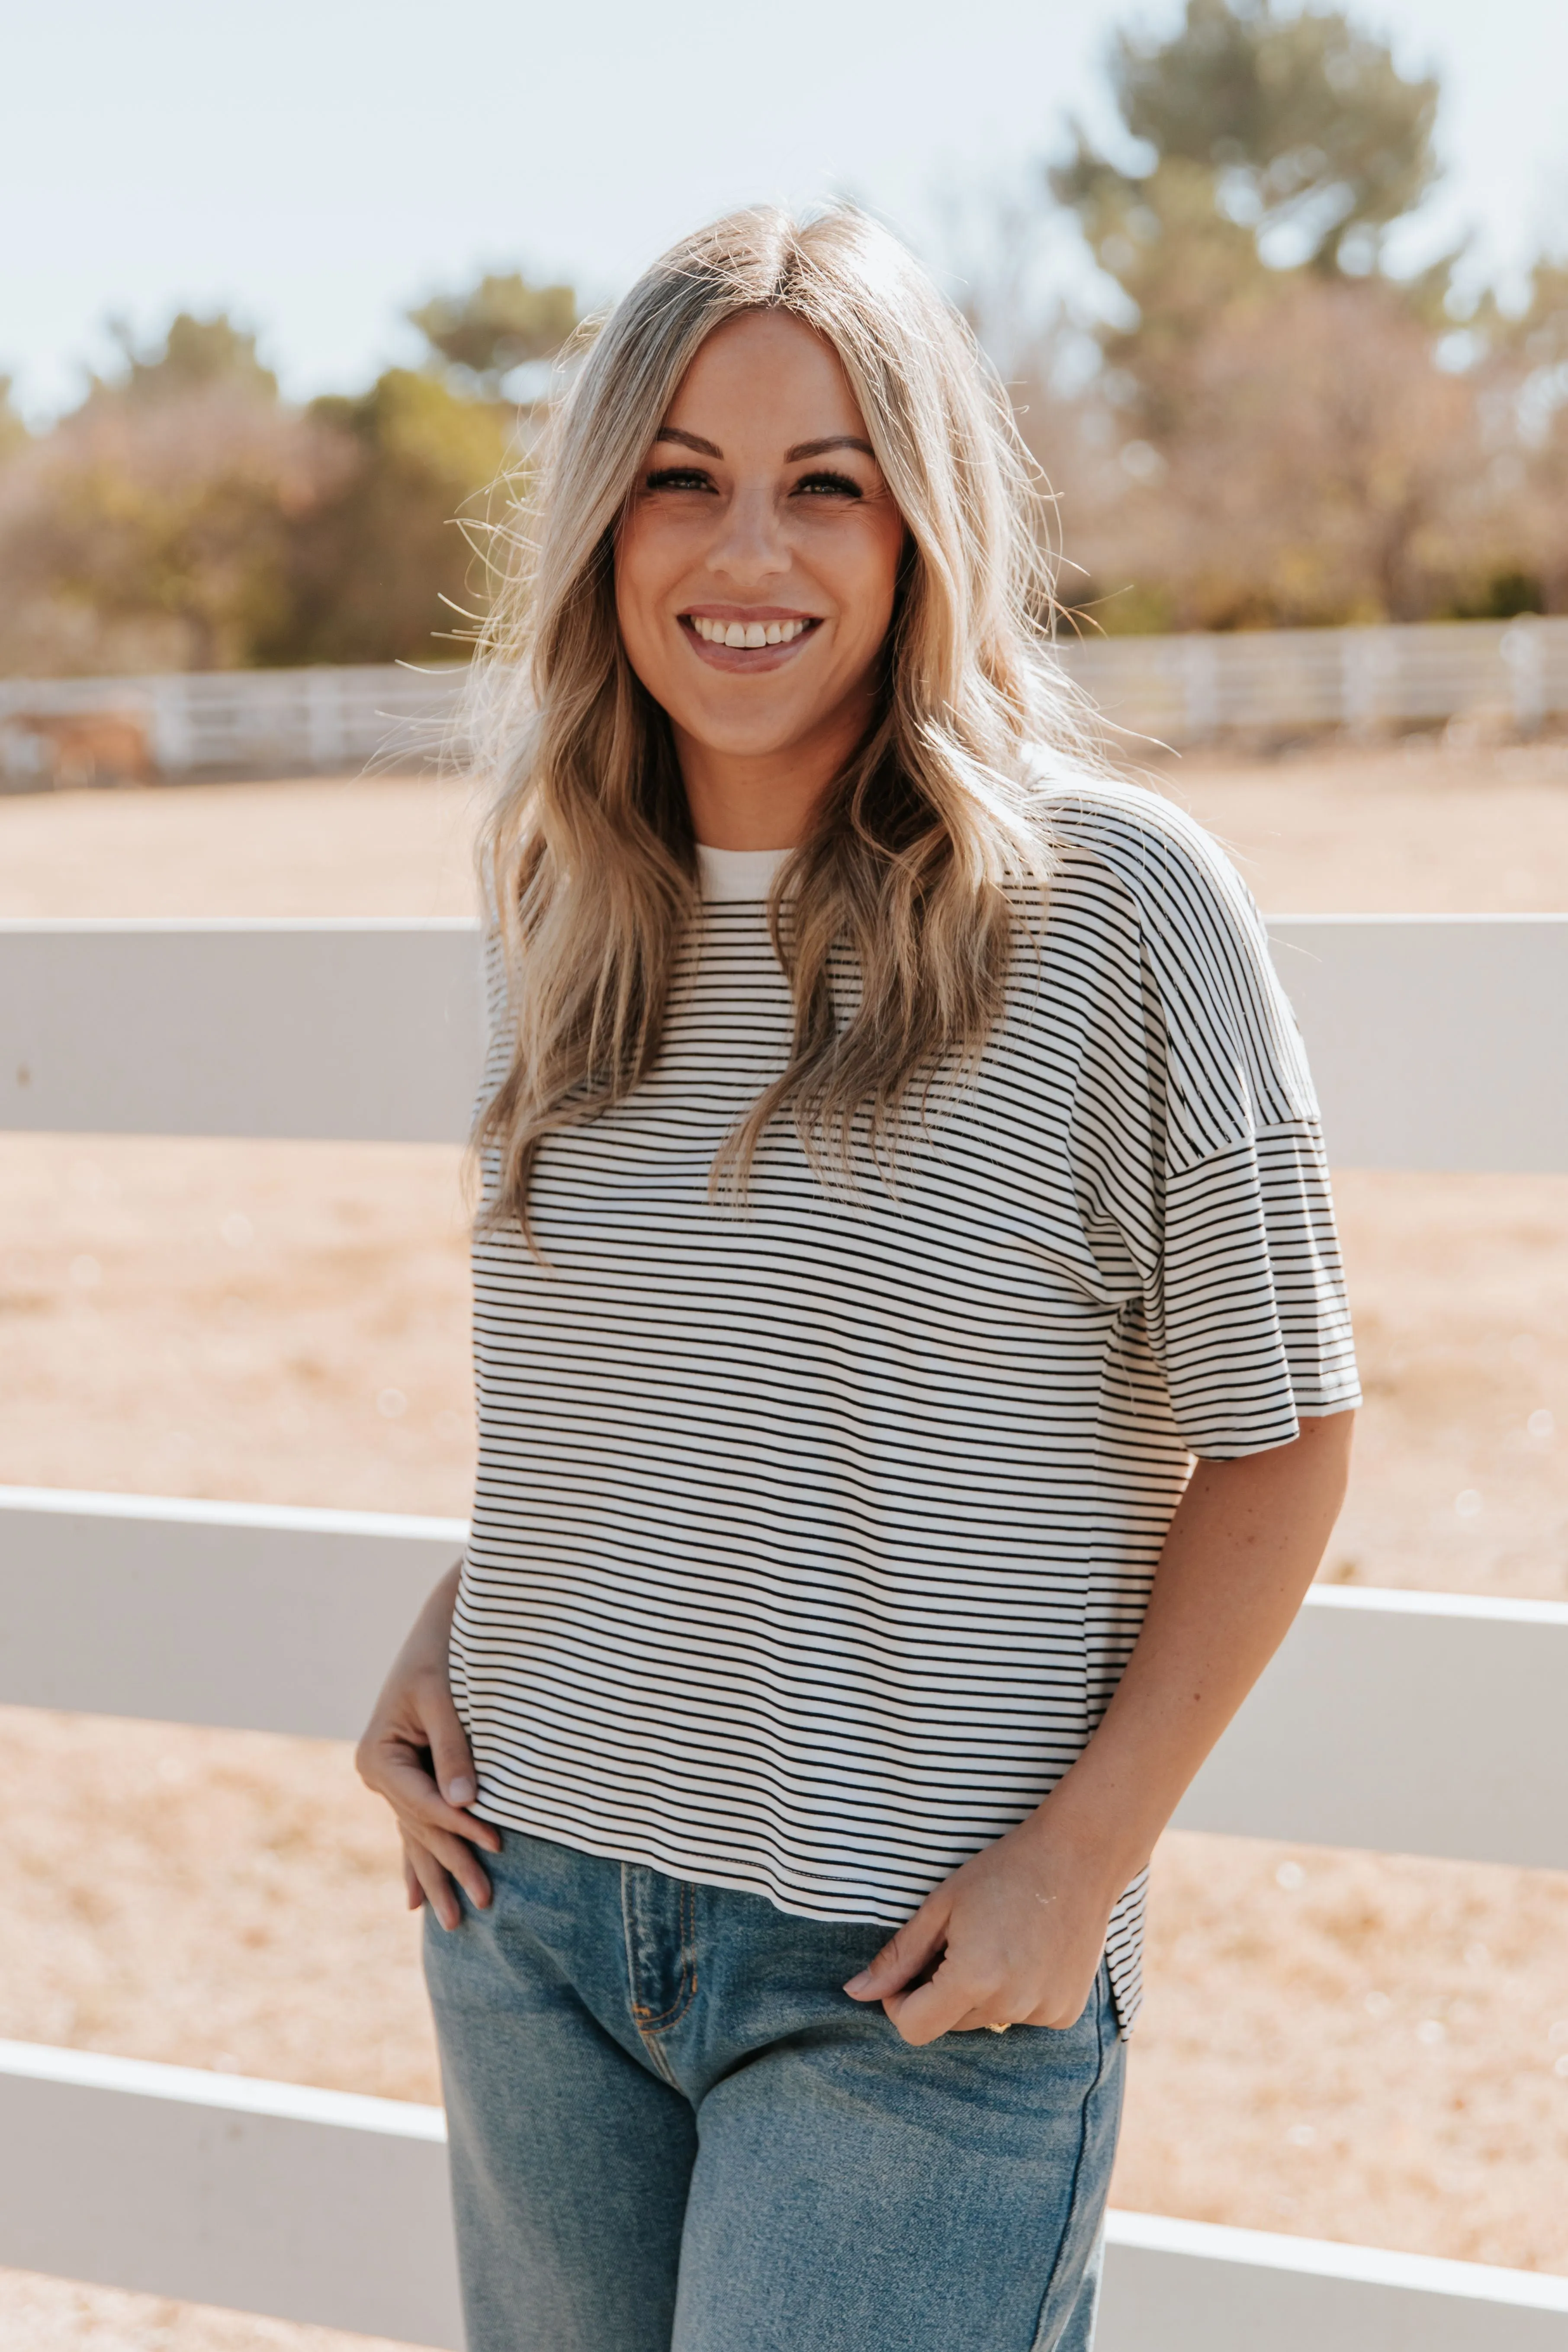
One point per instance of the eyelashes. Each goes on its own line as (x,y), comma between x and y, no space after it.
(840,485)
(692,478)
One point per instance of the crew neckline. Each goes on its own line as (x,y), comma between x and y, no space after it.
(736,874)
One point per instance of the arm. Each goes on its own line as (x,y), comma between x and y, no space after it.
(1016,1935)
(415,1754)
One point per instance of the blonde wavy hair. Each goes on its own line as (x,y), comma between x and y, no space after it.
(896,920)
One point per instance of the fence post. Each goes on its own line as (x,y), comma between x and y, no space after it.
(1523,648)
(1363,666)
(172,736)
(1200,686)
(325,745)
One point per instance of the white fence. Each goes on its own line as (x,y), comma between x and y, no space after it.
(1175,689)
(1437,1041)
(249,722)
(1278,681)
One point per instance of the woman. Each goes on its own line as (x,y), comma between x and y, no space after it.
(900,1162)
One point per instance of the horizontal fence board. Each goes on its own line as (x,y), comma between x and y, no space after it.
(256,1619)
(360,1031)
(1411,1723)
(1408,1722)
(1187,2286)
(314,2205)
(216,2189)
(1437,1041)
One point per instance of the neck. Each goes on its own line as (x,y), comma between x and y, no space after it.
(764,800)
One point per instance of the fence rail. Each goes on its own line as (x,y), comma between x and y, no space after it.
(273,1620)
(1437,1041)
(326,2207)
(1177,689)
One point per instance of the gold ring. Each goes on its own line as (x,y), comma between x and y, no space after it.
(998,2028)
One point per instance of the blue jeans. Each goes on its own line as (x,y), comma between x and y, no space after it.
(671,2131)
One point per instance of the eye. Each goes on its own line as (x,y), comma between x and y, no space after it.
(832,486)
(679,477)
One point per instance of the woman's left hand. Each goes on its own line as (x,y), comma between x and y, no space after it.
(1014,1938)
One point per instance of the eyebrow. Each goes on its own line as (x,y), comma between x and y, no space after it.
(792,457)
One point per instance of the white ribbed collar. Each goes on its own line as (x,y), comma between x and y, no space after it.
(738,873)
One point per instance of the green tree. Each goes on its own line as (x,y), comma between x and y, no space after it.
(375,568)
(498,325)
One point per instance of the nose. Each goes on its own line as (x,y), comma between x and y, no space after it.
(749,547)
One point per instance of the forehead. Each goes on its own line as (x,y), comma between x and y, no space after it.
(766,371)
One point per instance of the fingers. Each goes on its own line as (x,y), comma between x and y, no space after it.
(457,1859)
(949,2003)
(433,1872)
(435,1887)
(451,1758)
(904,1955)
(398,1772)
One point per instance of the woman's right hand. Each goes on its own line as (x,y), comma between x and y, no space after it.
(415,1754)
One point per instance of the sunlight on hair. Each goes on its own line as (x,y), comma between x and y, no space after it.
(898,921)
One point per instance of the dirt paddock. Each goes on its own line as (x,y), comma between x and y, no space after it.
(1346,2045)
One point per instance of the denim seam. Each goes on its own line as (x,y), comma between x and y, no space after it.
(650,2027)
(677,2009)
(1102,2002)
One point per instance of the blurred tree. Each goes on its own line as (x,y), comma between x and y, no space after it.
(1524,384)
(1277,140)
(1325,472)
(194,354)
(499,324)
(374,569)
(153,535)
(14,433)
(1311,137)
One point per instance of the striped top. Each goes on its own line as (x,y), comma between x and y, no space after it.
(810,1542)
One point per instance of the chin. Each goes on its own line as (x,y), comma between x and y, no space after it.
(751,736)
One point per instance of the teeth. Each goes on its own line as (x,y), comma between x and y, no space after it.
(746,635)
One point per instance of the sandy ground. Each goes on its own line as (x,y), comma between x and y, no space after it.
(1345,2045)
(1420,827)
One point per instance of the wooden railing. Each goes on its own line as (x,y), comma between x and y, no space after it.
(1437,1043)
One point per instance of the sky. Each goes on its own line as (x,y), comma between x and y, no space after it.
(317,165)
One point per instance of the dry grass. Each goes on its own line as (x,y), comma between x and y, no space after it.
(1368,2051)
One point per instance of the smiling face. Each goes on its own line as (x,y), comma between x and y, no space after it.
(756,567)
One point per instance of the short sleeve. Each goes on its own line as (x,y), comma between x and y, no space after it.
(1221,1198)
(1247,1311)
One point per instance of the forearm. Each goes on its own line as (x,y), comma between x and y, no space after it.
(1242,1549)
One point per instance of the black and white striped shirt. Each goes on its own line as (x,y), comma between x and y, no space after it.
(809,1543)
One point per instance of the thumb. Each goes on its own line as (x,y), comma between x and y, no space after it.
(906,1955)
(451,1758)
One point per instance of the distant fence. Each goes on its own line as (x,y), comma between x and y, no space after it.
(1511,676)
(233,723)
